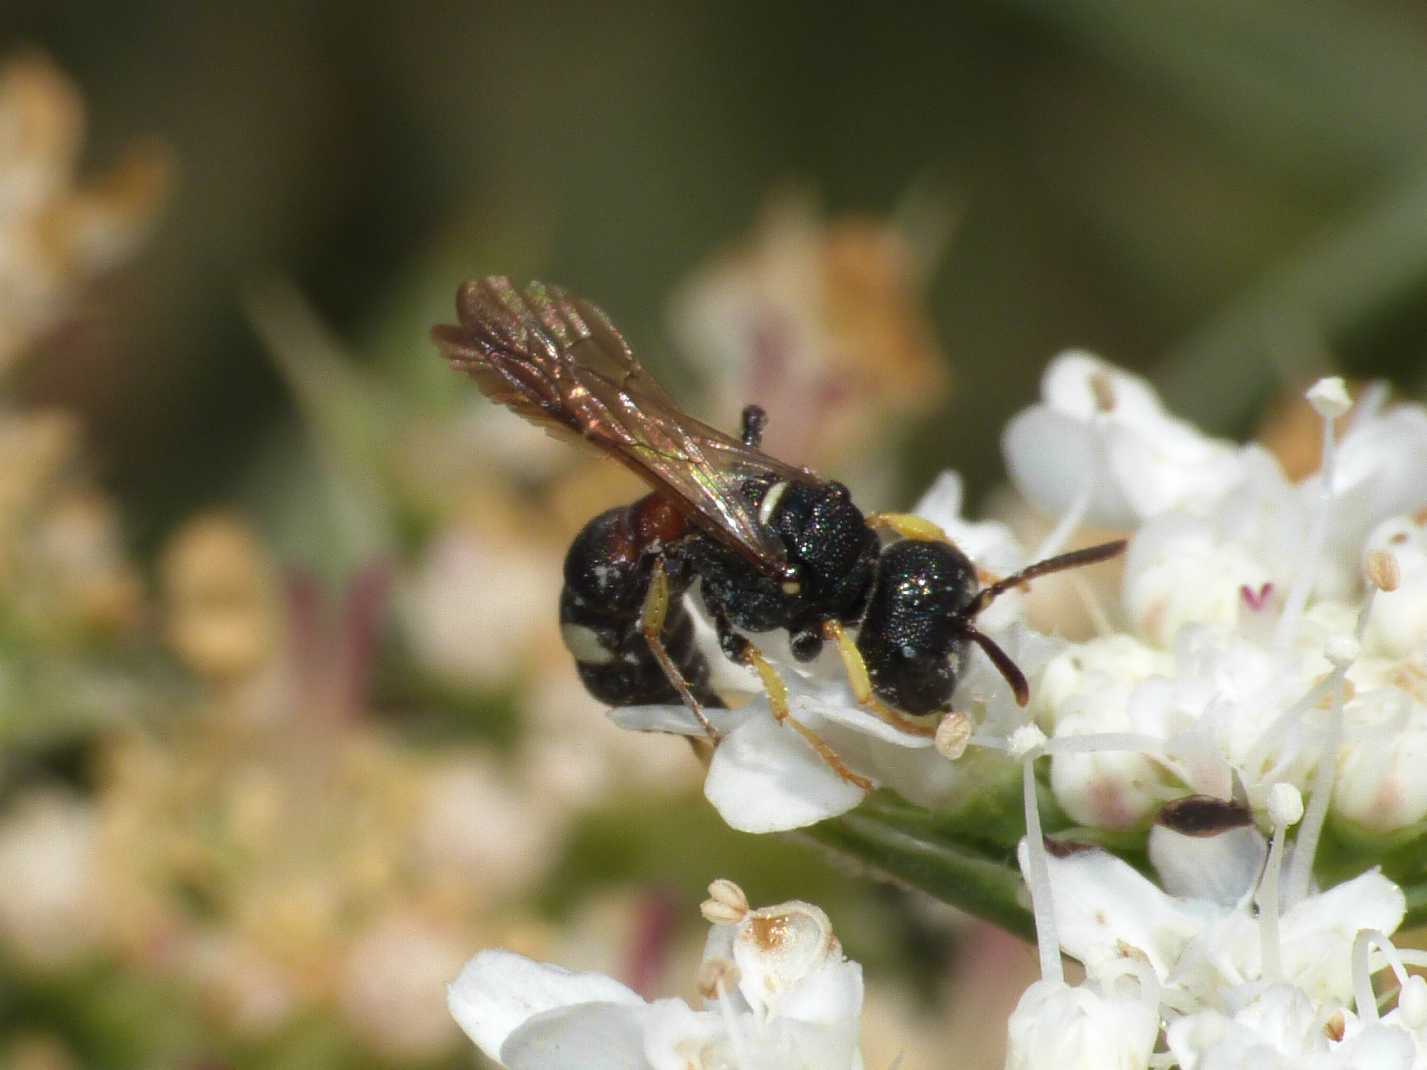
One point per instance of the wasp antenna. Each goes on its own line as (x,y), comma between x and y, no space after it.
(1089,556)
(1004,665)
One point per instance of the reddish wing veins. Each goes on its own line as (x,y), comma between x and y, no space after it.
(558,361)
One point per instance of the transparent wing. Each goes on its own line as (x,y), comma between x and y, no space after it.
(558,361)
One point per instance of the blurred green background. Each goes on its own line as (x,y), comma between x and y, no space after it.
(1127,175)
(1230,196)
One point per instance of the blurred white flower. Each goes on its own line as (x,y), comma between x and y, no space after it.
(779,995)
(477,604)
(241,986)
(822,322)
(1100,446)
(480,824)
(390,988)
(578,758)
(50,911)
(1229,564)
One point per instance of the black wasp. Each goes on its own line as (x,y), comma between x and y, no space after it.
(774,546)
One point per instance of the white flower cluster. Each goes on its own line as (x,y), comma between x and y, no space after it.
(1247,598)
(1271,647)
(1270,643)
(778,995)
(1225,967)
(1242,592)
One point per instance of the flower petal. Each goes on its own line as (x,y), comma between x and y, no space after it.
(941,503)
(764,777)
(676,719)
(1078,383)
(499,990)
(1057,1025)
(859,720)
(672,1029)
(1053,459)
(1318,933)
(830,996)
(587,1036)
(989,543)
(1103,906)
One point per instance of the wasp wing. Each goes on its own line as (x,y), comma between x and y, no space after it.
(558,361)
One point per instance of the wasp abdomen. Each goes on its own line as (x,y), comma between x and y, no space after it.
(607,573)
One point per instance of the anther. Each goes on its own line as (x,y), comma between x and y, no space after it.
(716,977)
(1383,571)
(1329,397)
(726,904)
(953,733)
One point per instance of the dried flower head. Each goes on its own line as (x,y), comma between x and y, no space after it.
(55,234)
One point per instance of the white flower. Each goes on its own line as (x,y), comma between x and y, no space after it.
(1246,595)
(1278,1028)
(1227,668)
(780,995)
(1230,562)
(1087,690)
(1059,1027)
(1200,943)
(1380,471)
(1397,626)
(1230,987)
(1101,444)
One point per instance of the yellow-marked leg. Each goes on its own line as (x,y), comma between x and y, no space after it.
(908,526)
(651,623)
(778,702)
(861,682)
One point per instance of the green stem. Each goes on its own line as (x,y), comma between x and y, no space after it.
(1416,905)
(950,872)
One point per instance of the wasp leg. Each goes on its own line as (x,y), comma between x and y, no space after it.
(857,676)
(908,526)
(741,650)
(651,623)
